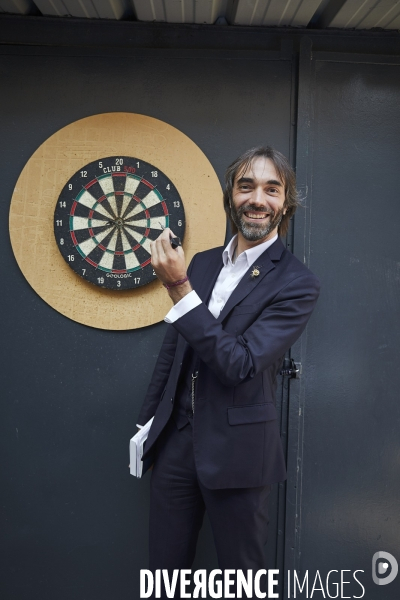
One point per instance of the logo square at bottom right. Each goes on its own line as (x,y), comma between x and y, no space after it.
(384,568)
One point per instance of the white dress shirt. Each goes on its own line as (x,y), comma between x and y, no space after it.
(229,277)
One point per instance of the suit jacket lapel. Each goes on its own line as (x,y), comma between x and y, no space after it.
(248,283)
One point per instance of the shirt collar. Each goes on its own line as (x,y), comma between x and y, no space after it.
(249,255)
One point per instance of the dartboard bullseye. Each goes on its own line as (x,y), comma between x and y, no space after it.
(108,213)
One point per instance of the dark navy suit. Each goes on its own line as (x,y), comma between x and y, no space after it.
(234,434)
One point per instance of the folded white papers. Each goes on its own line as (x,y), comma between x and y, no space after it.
(136,449)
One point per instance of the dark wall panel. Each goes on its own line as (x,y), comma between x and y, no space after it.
(75,522)
(349,503)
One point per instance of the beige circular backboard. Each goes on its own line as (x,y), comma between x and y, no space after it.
(40,184)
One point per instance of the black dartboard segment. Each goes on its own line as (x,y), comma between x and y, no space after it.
(106,216)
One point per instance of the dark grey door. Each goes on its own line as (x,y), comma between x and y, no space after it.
(75,521)
(344,486)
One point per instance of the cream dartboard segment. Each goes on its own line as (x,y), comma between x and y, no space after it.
(108,213)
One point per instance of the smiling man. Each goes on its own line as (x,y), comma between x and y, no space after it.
(215,437)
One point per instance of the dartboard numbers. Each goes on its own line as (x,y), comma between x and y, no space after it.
(108,213)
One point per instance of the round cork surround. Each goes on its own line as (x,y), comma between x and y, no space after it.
(53,164)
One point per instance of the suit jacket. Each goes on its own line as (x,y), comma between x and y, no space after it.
(235,430)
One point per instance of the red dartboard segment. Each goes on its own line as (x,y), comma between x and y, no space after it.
(119,271)
(72,212)
(91,262)
(146,212)
(146,233)
(147,262)
(91,232)
(148,184)
(165,207)
(91,213)
(119,253)
(119,175)
(74,238)
(88,185)
(102,247)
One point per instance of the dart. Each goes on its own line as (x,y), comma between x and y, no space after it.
(175,241)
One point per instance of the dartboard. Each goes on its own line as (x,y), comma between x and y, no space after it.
(108,213)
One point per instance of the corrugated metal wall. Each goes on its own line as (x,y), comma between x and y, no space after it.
(181,11)
(368,14)
(350,14)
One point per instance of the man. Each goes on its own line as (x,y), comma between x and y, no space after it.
(215,438)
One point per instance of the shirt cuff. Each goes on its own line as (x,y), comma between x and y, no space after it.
(188,302)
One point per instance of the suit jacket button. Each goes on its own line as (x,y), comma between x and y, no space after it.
(172,400)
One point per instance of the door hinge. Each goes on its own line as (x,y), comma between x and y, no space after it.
(291,369)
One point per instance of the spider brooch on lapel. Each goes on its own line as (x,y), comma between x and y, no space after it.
(255,272)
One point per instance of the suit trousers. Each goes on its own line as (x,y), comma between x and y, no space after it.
(178,500)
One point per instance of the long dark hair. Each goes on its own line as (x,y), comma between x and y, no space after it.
(285,172)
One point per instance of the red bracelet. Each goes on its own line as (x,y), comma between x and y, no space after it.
(179,282)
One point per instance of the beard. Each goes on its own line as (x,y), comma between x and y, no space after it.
(254,232)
